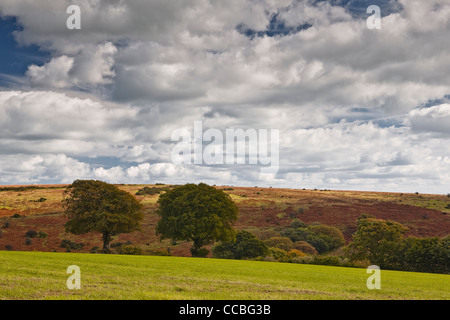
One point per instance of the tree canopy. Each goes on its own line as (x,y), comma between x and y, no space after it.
(198,213)
(96,206)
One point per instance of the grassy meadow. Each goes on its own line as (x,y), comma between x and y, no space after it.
(42,275)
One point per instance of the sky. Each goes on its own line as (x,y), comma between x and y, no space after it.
(353,107)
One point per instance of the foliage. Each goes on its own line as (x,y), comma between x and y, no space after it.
(151,190)
(331,235)
(131,250)
(375,240)
(305,247)
(42,235)
(280,242)
(198,213)
(101,207)
(31,234)
(70,245)
(245,246)
(278,254)
(430,254)
(323,238)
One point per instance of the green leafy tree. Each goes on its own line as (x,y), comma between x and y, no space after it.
(198,213)
(376,240)
(331,235)
(96,206)
(430,254)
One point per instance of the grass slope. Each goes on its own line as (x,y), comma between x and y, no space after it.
(39,275)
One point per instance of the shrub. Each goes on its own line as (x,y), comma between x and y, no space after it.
(131,250)
(28,241)
(41,234)
(294,253)
(305,247)
(16,215)
(8,247)
(7,224)
(327,260)
(278,254)
(119,244)
(70,245)
(224,250)
(318,243)
(331,235)
(297,224)
(31,234)
(296,233)
(280,242)
(245,246)
(199,253)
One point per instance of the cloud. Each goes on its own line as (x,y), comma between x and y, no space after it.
(433,119)
(344,97)
(92,67)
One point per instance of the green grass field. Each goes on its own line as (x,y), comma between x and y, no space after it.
(37,275)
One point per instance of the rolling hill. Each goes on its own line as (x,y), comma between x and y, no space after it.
(262,211)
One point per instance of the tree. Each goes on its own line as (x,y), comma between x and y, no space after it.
(96,206)
(376,240)
(198,213)
(331,235)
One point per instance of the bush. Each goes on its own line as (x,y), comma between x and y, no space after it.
(305,247)
(7,224)
(280,242)
(331,235)
(245,246)
(199,253)
(294,253)
(70,245)
(16,215)
(224,250)
(327,260)
(8,247)
(41,235)
(28,241)
(119,244)
(131,250)
(278,254)
(31,234)
(318,243)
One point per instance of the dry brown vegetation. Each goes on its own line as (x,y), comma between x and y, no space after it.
(262,211)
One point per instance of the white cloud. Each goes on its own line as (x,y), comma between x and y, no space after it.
(53,74)
(433,119)
(156,66)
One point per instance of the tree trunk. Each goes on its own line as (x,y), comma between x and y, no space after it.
(196,249)
(106,240)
